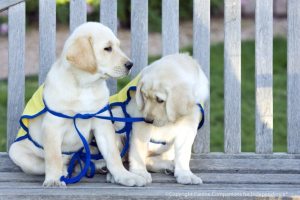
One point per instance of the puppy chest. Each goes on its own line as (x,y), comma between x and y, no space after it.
(89,100)
(71,139)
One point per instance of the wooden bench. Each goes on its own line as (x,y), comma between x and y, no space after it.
(229,175)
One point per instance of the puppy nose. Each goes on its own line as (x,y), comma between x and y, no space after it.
(149,121)
(128,65)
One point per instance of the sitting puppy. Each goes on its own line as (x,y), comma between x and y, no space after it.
(75,84)
(166,96)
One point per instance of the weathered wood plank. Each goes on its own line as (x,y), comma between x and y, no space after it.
(208,178)
(16,74)
(170,26)
(153,191)
(246,165)
(108,17)
(4,4)
(293,97)
(264,76)
(47,29)
(139,35)
(77,13)
(232,77)
(108,14)
(244,155)
(201,52)
(284,163)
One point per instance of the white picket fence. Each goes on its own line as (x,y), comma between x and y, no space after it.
(170,41)
(255,173)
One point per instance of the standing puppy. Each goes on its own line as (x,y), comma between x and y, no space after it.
(75,84)
(166,96)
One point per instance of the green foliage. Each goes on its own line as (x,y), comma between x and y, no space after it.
(217,96)
(217,7)
(62,15)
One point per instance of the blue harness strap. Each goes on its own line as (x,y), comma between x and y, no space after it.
(128,125)
(83,154)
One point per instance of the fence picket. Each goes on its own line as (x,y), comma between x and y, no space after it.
(108,17)
(47,29)
(264,76)
(16,75)
(293,89)
(232,76)
(170,26)
(139,35)
(201,51)
(77,13)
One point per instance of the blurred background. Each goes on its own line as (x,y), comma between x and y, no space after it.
(186,37)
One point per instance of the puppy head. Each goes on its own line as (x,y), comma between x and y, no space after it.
(93,48)
(161,103)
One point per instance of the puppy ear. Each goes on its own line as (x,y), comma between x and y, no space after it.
(180,101)
(81,55)
(139,97)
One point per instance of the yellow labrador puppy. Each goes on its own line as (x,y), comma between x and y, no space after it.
(166,96)
(76,84)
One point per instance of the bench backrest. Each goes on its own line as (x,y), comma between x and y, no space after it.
(170,41)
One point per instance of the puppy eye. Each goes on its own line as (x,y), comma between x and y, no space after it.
(159,100)
(109,49)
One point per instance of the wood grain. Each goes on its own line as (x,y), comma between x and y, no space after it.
(201,52)
(139,35)
(220,163)
(232,77)
(77,13)
(264,76)
(47,29)
(170,26)
(108,17)
(16,74)
(293,65)
(4,4)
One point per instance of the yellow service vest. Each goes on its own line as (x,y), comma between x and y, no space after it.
(35,105)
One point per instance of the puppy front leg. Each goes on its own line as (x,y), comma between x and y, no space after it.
(106,141)
(53,157)
(183,148)
(139,150)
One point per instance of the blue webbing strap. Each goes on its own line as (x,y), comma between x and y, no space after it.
(86,156)
(203,116)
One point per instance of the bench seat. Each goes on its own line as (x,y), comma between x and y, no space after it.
(219,182)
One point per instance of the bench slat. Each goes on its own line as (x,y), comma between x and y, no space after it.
(16,74)
(77,13)
(232,76)
(139,35)
(201,52)
(7,3)
(208,178)
(154,191)
(293,89)
(264,76)
(47,29)
(170,26)
(108,16)
(219,163)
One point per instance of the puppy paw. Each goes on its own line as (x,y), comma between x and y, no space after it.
(188,178)
(127,179)
(143,173)
(54,183)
